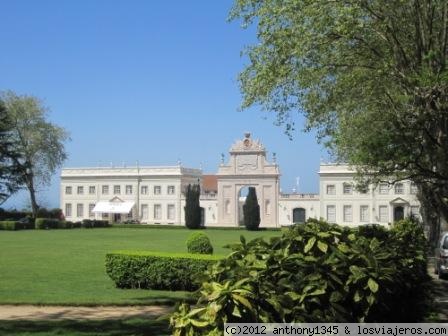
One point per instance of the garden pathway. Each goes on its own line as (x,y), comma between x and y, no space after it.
(24,312)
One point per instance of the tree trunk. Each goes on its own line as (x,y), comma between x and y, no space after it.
(32,191)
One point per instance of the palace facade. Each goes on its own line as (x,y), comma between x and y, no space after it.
(154,195)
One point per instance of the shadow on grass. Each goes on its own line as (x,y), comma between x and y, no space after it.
(135,327)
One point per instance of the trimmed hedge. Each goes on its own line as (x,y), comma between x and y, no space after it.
(199,243)
(94,223)
(47,223)
(157,270)
(14,225)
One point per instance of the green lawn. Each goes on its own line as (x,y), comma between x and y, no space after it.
(67,266)
(134,327)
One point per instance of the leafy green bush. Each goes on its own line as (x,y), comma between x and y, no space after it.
(16,225)
(55,213)
(373,231)
(199,243)
(13,214)
(155,270)
(47,223)
(315,272)
(8,225)
(94,223)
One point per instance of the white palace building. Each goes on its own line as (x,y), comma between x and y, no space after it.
(154,195)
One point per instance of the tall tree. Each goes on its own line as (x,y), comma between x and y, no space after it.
(370,76)
(192,207)
(11,176)
(39,143)
(251,210)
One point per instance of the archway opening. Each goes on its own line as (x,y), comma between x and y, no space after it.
(242,194)
(298,215)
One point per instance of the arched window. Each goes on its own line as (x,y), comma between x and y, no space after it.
(298,215)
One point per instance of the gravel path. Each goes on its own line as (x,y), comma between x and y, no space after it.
(19,312)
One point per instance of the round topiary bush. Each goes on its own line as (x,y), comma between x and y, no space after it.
(199,243)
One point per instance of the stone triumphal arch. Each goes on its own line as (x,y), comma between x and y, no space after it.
(248,167)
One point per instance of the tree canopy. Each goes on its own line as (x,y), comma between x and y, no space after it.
(370,76)
(11,174)
(38,143)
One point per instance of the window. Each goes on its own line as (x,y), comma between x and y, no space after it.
(117,189)
(68,190)
(384,188)
(128,190)
(80,190)
(68,210)
(399,188)
(415,212)
(105,216)
(331,213)
(157,211)
(364,213)
(331,189)
(79,210)
(91,206)
(384,216)
(170,190)
(92,190)
(144,190)
(348,213)
(105,189)
(170,212)
(348,189)
(157,190)
(130,214)
(144,211)
(413,188)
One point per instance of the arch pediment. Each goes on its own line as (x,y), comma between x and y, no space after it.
(399,201)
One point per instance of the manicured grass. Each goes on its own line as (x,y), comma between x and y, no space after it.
(67,266)
(134,327)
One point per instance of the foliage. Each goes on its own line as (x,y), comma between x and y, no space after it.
(157,270)
(370,76)
(192,207)
(315,272)
(251,210)
(47,223)
(14,214)
(55,213)
(11,173)
(94,223)
(377,231)
(39,143)
(199,243)
(15,225)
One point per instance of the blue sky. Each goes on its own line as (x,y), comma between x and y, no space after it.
(152,81)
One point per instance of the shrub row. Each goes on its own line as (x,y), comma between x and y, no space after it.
(315,272)
(41,213)
(156,270)
(14,225)
(49,223)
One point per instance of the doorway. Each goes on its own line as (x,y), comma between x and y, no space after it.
(398,213)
